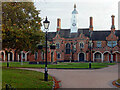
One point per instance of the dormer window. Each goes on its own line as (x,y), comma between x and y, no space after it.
(112,43)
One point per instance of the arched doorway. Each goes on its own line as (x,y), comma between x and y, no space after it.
(11,56)
(52,57)
(19,57)
(98,57)
(2,56)
(81,57)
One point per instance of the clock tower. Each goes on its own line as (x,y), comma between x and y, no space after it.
(74,24)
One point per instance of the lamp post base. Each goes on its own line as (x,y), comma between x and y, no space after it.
(46,74)
(7,64)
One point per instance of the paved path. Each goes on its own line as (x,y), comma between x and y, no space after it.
(97,78)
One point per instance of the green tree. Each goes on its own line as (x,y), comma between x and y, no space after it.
(21,26)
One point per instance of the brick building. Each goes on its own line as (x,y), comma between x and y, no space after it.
(74,44)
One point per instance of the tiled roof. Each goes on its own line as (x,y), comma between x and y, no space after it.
(117,33)
(100,35)
(96,35)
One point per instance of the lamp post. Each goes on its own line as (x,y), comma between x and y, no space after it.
(8,59)
(111,52)
(46,25)
(90,47)
(111,56)
(73,51)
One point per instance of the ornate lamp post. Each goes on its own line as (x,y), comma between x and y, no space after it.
(73,50)
(111,52)
(46,25)
(8,58)
(90,47)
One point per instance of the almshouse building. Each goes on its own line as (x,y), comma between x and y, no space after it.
(77,44)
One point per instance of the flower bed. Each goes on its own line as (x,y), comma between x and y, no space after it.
(56,83)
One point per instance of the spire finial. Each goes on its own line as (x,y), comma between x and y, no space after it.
(74,5)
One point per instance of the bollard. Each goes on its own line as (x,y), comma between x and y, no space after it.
(7,64)
(89,65)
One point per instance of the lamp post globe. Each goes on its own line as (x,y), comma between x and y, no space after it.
(46,26)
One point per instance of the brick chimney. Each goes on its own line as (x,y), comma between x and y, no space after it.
(91,24)
(113,24)
(58,24)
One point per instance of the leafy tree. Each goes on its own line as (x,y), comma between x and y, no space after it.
(21,26)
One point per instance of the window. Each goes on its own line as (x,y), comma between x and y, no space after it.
(112,43)
(57,46)
(98,44)
(81,45)
(74,46)
(58,55)
(67,48)
(36,55)
(42,55)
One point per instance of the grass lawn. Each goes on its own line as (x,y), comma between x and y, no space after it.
(118,81)
(59,65)
(24,79)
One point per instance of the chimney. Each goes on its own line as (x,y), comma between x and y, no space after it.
(91,24)
(58,24)
(113,24)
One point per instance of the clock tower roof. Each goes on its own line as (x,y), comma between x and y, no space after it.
(74,11)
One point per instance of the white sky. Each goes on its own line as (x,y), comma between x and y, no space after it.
(100,10)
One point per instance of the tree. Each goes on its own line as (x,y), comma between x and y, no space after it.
(21,26)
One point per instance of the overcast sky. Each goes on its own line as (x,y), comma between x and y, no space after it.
(100,10)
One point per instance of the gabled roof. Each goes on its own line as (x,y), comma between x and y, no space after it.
(96,35)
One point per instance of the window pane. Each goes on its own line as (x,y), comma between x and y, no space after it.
(57,45)
(67,48)
(81,45)
(98,43)
(58,55)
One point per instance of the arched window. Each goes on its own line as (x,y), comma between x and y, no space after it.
(81,45)
(58,55)
(57,46)
(67,48)
(36,55)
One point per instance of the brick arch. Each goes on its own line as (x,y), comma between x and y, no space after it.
(116,56)
(2,55)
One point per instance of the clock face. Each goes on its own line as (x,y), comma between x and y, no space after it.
(74,24)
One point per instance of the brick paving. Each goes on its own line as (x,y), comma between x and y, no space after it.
(79,78)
